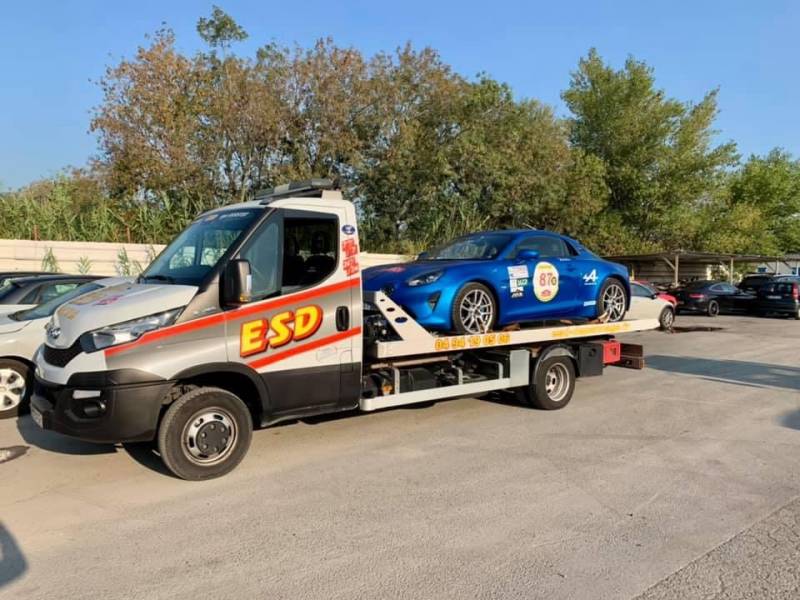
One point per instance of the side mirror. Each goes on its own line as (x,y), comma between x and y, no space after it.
(422,256)
(526,254)
(237,284)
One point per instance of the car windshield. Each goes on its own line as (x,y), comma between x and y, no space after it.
(6,289)
(48,308)
(481,246)
(197,250)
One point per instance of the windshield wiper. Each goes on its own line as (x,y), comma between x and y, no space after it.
(159,277)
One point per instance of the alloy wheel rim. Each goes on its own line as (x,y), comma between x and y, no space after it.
(669,319)
(12,388)
(614,302)
(476,311)
(209,436)
(556,382)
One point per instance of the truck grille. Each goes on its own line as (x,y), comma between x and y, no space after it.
(59,357)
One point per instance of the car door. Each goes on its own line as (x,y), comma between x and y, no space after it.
(641,302)
(542,288)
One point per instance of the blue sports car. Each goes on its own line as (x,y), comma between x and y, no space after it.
(493,279)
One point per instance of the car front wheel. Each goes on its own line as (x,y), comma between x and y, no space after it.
(667,318)
(474,309)
(16,384)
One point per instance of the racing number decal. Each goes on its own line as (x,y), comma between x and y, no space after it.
(545,281)
(281,329)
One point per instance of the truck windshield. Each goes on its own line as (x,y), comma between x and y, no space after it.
(197,250)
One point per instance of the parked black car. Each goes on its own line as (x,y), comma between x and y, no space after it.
(781,297)
(753,283)
(35,290)
(713,298)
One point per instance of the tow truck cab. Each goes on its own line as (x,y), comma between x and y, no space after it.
(261,299)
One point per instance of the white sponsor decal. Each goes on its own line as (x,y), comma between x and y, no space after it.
(590,278)
(517,280)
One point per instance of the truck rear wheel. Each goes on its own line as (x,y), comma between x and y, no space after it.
(204,434)
(552,386)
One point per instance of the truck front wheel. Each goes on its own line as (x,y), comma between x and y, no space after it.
(204,434)
(552,386)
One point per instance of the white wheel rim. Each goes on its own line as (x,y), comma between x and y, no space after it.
(476,311)
(556,382)
(12,388)
(209,422)
(614,302)
(669,317)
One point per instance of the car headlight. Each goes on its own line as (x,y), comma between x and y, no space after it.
(121,333)
(425,278)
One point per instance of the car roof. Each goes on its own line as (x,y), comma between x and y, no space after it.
(52,277)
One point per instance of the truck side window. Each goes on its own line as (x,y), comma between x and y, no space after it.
(263,252)
(309,250)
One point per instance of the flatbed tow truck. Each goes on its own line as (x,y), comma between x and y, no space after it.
(254,315)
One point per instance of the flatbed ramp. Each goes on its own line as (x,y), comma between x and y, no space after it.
(416,340)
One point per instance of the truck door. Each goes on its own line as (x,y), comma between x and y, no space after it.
(298,331)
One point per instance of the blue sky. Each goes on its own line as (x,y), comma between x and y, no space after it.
(50,51)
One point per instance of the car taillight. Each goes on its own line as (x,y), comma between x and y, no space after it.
(795,292)
(697,296)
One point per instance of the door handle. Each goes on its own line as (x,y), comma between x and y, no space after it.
(342,318)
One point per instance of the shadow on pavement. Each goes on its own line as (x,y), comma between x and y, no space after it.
(145,454)
(736,372)
(12,561)
(54,442)
(791,420)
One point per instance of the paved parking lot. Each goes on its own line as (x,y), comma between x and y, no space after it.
(679,481)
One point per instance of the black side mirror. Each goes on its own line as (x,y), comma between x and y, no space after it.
(422,256)
(237,284)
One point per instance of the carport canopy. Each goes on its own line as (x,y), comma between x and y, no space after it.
(677,258)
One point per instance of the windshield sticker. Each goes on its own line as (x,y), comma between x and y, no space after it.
(517,280)
(545,281)
(256,336)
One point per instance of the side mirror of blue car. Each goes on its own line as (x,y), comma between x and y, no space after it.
(526,254)
(422,256)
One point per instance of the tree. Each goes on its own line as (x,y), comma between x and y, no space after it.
(658,153)
(220,30)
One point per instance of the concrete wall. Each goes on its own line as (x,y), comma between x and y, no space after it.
(27,255)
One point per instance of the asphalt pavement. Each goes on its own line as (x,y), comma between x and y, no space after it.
(678,481)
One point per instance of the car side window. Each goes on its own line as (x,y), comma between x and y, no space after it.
(546,246)
(716,288)
(263,252)
(640,291)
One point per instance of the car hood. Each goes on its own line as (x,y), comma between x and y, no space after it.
(115,304)
(8,325)
(376,278)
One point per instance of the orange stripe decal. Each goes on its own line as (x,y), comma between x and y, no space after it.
(231,315)
(312,345)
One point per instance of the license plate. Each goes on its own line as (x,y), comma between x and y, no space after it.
(773,297)
(37,416)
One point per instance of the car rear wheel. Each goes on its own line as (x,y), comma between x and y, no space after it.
(613,300)
(667,318)
(713,308)
(474,309)
(16,384)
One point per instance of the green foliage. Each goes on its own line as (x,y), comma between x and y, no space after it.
(424,153)
(49,262)
(84,265)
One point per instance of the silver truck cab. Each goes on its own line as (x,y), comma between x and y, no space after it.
(251,315)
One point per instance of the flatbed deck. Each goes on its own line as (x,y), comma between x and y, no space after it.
(416,340)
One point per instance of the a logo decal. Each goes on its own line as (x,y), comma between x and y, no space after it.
(284,327)
(545,281)
(590,278)
(53,331)
(348,229)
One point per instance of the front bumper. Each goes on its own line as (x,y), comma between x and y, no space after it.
(113,413)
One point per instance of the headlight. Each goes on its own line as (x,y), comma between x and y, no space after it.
(425,278)
(113,335)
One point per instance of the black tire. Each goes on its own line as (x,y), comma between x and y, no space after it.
(482,323)
(667,318)
(216,416)
(17,371)
(796,315)
(538,393)
(620,303)
(713,308)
